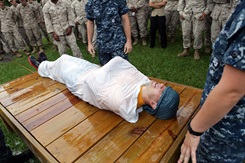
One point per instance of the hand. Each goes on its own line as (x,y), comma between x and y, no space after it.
(203,16)
(133,9)
(127,47)
(68,30)
(182,17)
(188,148)
(91,50)
(55,36)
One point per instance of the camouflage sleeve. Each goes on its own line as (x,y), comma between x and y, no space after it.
(209,7)
(122,7)
(47,19)
(40,12)
(141,3)
(71,16)
(181,6)
(234,55)
(14,16)
(89,10)
(129,4)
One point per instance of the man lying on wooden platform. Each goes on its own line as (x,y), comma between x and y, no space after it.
(117,86)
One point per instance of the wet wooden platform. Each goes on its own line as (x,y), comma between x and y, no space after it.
(59,127)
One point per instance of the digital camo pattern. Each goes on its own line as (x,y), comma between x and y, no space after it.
(9,28)
(107,15)
(29,16)
(137,19)
(192,10)
(58,17)
(225,141)
(78,8)
(172,17)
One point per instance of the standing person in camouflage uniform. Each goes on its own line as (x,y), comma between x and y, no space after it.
(30,18)
(113,29)
(220,13)
(78,7)
(192,16)
(9,28)
(20,26)
(137,20)
(172,19)
(40,19)
(59,20)
(221,116)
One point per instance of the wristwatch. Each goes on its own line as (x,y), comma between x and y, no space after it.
(191,131)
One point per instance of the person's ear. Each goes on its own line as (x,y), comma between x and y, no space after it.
(153,104)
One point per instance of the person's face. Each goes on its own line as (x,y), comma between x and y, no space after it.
(1,4)
(155,91)
(23,2)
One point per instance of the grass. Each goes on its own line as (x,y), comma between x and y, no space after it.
(156,62)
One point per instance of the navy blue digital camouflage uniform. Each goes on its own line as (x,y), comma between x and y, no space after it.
(225,141)
(110,33)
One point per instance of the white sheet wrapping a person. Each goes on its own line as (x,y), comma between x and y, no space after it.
(115,86)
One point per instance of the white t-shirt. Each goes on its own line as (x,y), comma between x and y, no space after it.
(115,86)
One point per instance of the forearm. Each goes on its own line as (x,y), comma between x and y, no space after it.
(126,27)
(90,31)
(221,99)
(157,5)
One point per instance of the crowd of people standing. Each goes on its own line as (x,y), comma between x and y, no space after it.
(24,22)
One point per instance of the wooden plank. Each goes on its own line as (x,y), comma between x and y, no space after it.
(155,142)
(24,90)
(49,113)
(18,81)
(60,124)
(40,152)
(113,145)
(33,98)
(78,140)
(42,106)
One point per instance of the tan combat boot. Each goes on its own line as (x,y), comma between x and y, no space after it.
(184,53)
(144,43)
(40,49)
(34,50)
(196,55)
(208,50)
(136,41)
(18,54)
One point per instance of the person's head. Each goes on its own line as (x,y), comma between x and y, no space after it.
(13,2)
(23,2)
(162,102)
(1,3)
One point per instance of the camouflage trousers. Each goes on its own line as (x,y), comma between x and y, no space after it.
(14,40)
(220,15)
(138,22)
(82,29)
(71,41)
(35,37)
(192,26)
(216,148)
(2,39)
(172,21)
(208,31)
(105,57)
(22,32)
(43,29)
